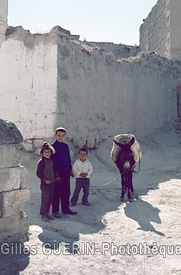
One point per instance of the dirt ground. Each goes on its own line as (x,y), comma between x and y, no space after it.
(142,237)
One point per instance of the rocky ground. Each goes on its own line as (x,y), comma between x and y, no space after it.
(110,237)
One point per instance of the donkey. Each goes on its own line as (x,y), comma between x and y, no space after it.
(125,163)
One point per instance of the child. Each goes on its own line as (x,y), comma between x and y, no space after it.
(45,172)
(63,170)
(82,170)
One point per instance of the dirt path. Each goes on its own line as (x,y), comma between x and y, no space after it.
(110,236)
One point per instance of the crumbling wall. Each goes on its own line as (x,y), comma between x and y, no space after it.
(100,95)
(52,80)
(119,50)
(13,183)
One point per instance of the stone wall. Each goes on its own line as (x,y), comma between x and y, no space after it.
(13,183)
(160,31)
(155,30)
(175,29)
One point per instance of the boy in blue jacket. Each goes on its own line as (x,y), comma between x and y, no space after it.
(63,170)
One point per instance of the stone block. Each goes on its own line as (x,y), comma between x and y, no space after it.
(91,142)
(9,133)
(10,155)
(24,177)
(28,146)
(12,202)
(15,224)
(37,143)
(37,151)
(10,179)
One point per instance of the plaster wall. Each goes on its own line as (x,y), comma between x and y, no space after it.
(58,81)
(99,96)
(3,18)
(28,86)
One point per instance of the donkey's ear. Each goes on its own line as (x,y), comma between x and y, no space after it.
(131,141)
(118,144)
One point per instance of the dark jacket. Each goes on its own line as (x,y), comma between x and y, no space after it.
(61,158)
(45,170)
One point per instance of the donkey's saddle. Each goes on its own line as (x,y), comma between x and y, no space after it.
(125,139)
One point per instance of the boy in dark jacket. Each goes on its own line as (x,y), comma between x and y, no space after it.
(63,170)
(45,172)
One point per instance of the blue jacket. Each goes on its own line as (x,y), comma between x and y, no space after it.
(61,158)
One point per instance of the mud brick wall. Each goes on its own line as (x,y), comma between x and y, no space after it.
(14,182)
(160,31)
(55,81)
(154,31)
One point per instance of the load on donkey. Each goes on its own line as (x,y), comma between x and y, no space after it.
(126,153)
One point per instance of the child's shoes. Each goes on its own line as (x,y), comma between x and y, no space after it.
(86,204)
(45,219)
(49,217)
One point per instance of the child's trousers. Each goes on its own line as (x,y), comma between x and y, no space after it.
(46,197)
(81,183)
(62,190)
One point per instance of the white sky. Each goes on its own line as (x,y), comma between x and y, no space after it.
(116,21)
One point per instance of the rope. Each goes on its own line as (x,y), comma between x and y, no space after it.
(110,181)
(107,183)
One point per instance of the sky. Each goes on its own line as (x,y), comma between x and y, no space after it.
(116,21)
